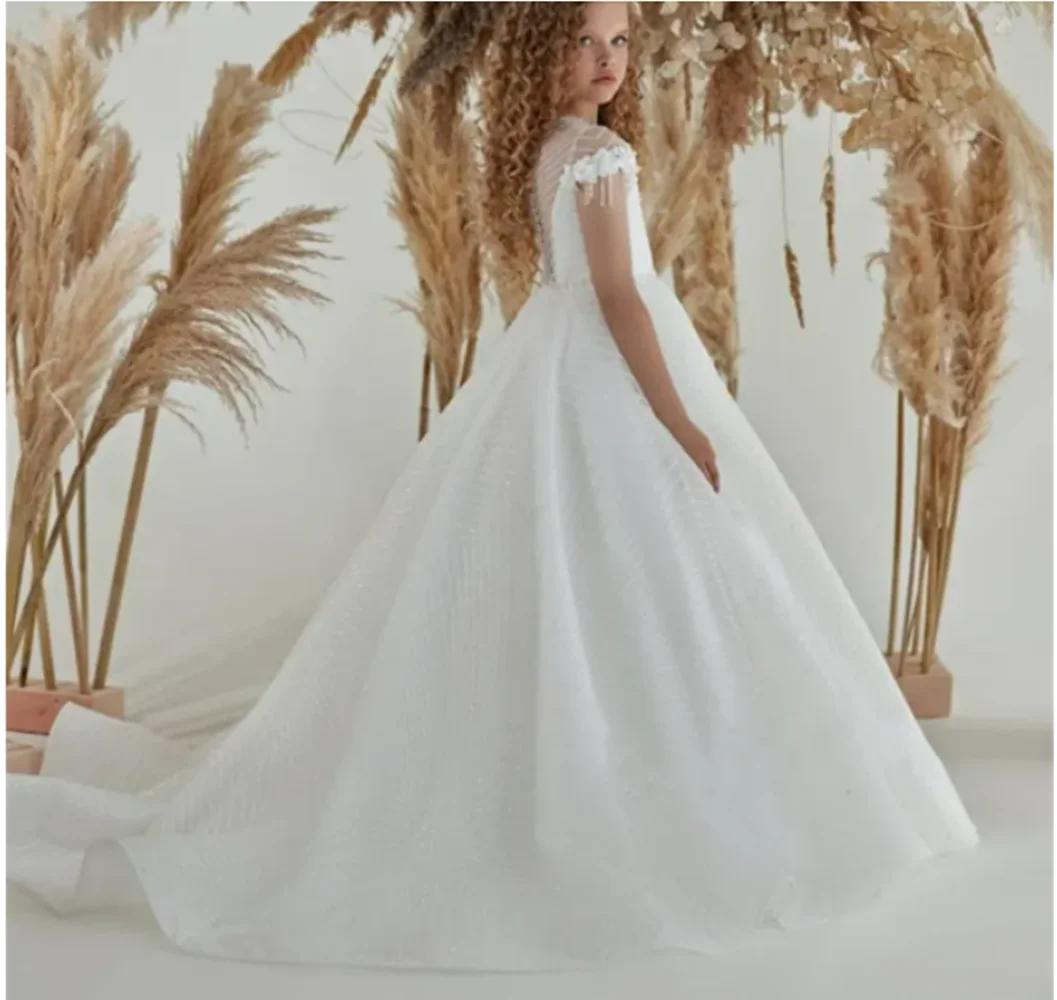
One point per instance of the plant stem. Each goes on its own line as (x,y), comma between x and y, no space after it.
(423,403)
(468,358)
(124,553)
(935,498)
(914,532)
(897,541)
(36,590)
(40,617)
(82,552)
(959,448)
(76,629)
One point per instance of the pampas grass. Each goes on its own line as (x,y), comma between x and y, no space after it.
(454,37)
(947,302)
(792,273)
(829,200)
(704,274)
(106,24)
(294,53)
(673,219)
(368,100)
(435,199)
(918,331)
(1030,164)
(71,275)
(987,243)
(220,296)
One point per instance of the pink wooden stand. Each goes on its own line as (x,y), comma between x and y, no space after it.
(929,694)
(32,709)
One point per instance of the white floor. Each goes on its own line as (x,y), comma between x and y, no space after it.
(979,928)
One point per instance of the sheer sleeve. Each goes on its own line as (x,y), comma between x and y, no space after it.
(600,175)
(592,154)
(602,178)
(596,168)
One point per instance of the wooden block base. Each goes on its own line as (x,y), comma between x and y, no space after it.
(930,693)
(22,759)
(32,709)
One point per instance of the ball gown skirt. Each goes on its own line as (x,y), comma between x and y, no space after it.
(563,704)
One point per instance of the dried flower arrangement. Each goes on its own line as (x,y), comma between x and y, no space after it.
(78,364)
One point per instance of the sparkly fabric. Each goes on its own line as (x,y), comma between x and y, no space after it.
(563,704)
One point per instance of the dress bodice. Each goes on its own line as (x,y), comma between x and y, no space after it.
(578,152)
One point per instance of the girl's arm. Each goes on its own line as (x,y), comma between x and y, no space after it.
(602,209)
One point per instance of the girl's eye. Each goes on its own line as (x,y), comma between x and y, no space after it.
(585,40)
(620,40)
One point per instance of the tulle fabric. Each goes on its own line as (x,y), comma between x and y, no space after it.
(565,703)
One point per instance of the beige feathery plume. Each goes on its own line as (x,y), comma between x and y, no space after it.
(49,181)
(918,334)
(936,173)
(829,200)
(75,353)
(18,138)
(218,286)
(704,274)
(294,53)
(106,23)
(673,219)
(454,37)
(792,271)
(325,19)
(367,101)
(1030,164)
(105,197)
(435,198)
(987,242)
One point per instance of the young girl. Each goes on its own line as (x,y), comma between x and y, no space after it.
(576,694)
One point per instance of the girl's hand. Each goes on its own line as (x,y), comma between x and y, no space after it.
(697,445)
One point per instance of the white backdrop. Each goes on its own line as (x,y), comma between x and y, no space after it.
(237,544)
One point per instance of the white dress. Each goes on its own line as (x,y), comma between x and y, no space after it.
(564,703)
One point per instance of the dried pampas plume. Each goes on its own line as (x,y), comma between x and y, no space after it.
(987,246)
(792,270)
(218,284)
(106,23)
(455,39)
(1030,164)
(918,331)
(436,199)
(829,199)
(220,294)
(367,101)
(294,53)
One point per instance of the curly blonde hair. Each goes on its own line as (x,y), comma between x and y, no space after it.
(522,90)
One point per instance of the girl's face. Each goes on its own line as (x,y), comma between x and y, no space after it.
(600,60)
